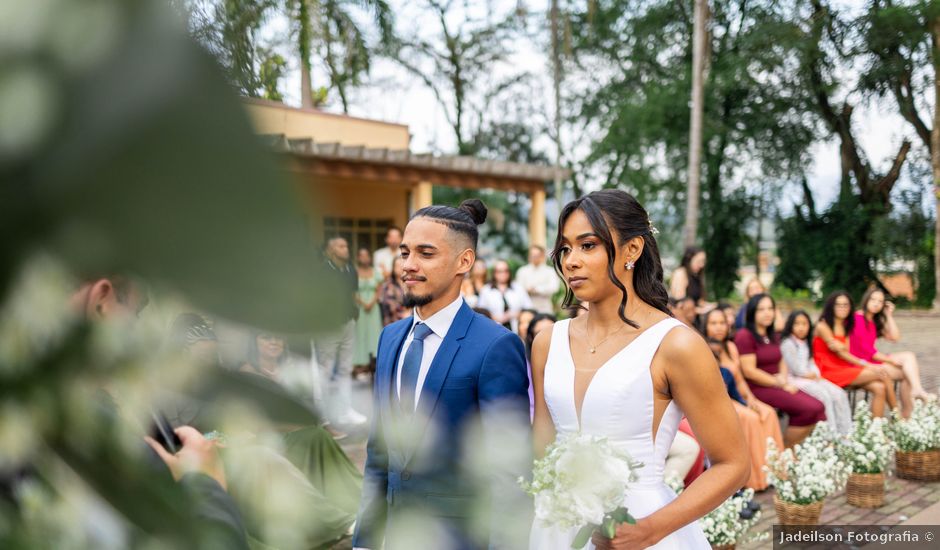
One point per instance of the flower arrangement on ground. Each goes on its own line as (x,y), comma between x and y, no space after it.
(917,440)
(729,524)
(869,451)
(920,432)
(804,476)
(582,481)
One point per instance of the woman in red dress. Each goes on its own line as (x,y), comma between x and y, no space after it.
(838,365)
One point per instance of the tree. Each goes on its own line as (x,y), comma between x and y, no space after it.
(754,122)
(902,40)
(329,27)
(864,194)
(457,63)
(230,30)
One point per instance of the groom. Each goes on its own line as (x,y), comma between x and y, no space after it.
(444,376)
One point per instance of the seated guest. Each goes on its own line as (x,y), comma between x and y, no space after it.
(525,317)
(684,310)
(503,297)
(726,375)
(730,315)
(766,372)
(538,323)
(751,289)
(873,320)
(311,449)
(758,419)
(804,373)
(838,365)
(682,457)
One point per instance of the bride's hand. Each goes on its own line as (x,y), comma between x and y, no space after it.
(628,536)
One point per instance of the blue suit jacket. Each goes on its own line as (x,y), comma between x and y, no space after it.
(477,378)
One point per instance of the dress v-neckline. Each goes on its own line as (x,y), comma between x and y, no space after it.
(574,368)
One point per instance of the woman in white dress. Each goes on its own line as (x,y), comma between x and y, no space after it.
(650,370)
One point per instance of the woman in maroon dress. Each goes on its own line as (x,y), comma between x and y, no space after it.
(766,371)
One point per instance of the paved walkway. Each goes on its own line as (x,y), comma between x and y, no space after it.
(904,499)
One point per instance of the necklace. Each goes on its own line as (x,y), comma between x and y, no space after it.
(593,348)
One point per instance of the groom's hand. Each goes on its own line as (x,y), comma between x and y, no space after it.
(632,537)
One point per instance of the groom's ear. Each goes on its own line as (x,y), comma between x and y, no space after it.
(465,261)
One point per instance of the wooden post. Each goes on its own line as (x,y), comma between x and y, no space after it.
(421,196)
(537,222)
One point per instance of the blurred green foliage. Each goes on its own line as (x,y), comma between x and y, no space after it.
(124,151)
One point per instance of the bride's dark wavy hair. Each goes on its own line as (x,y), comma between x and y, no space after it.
(618,210)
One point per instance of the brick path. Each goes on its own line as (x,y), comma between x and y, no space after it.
(921,334)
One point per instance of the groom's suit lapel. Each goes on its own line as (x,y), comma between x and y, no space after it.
(386,386)
(431,390)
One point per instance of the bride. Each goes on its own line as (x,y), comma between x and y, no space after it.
(629,372)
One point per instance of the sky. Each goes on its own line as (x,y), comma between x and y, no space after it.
(393,95)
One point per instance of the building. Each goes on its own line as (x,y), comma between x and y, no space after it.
(360,177)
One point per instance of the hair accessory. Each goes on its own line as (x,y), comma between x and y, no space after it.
(652,228)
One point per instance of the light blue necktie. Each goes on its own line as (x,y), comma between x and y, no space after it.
(410,368)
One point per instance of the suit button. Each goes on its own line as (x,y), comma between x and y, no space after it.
(406,475)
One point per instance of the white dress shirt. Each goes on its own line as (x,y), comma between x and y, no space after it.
(383,259)
(439,323)
(491,299)
(541,282)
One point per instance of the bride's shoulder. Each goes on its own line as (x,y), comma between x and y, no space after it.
(540,347)
(683,345)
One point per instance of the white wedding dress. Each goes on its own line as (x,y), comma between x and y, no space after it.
(618,405)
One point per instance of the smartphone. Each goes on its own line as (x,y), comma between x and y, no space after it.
(162,432)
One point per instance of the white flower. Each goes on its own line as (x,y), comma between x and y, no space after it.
(811,471)
(920,432)
(724,525)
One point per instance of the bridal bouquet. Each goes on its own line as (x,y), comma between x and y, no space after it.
(582,482)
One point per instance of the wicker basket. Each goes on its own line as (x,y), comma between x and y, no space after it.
(919,465)
(789,513)
(866,490)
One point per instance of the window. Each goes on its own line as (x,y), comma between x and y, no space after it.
(359,233)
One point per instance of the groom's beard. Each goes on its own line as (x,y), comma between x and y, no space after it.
(414,300)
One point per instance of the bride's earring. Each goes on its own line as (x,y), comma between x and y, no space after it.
(629,265)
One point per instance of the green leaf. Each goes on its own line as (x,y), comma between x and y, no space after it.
(583,536)
(609,527)
(154,169)
(620,515)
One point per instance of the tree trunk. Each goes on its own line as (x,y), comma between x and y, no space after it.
(306,86)
(556,82)
(695,132)
(306,91)
(935,153)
